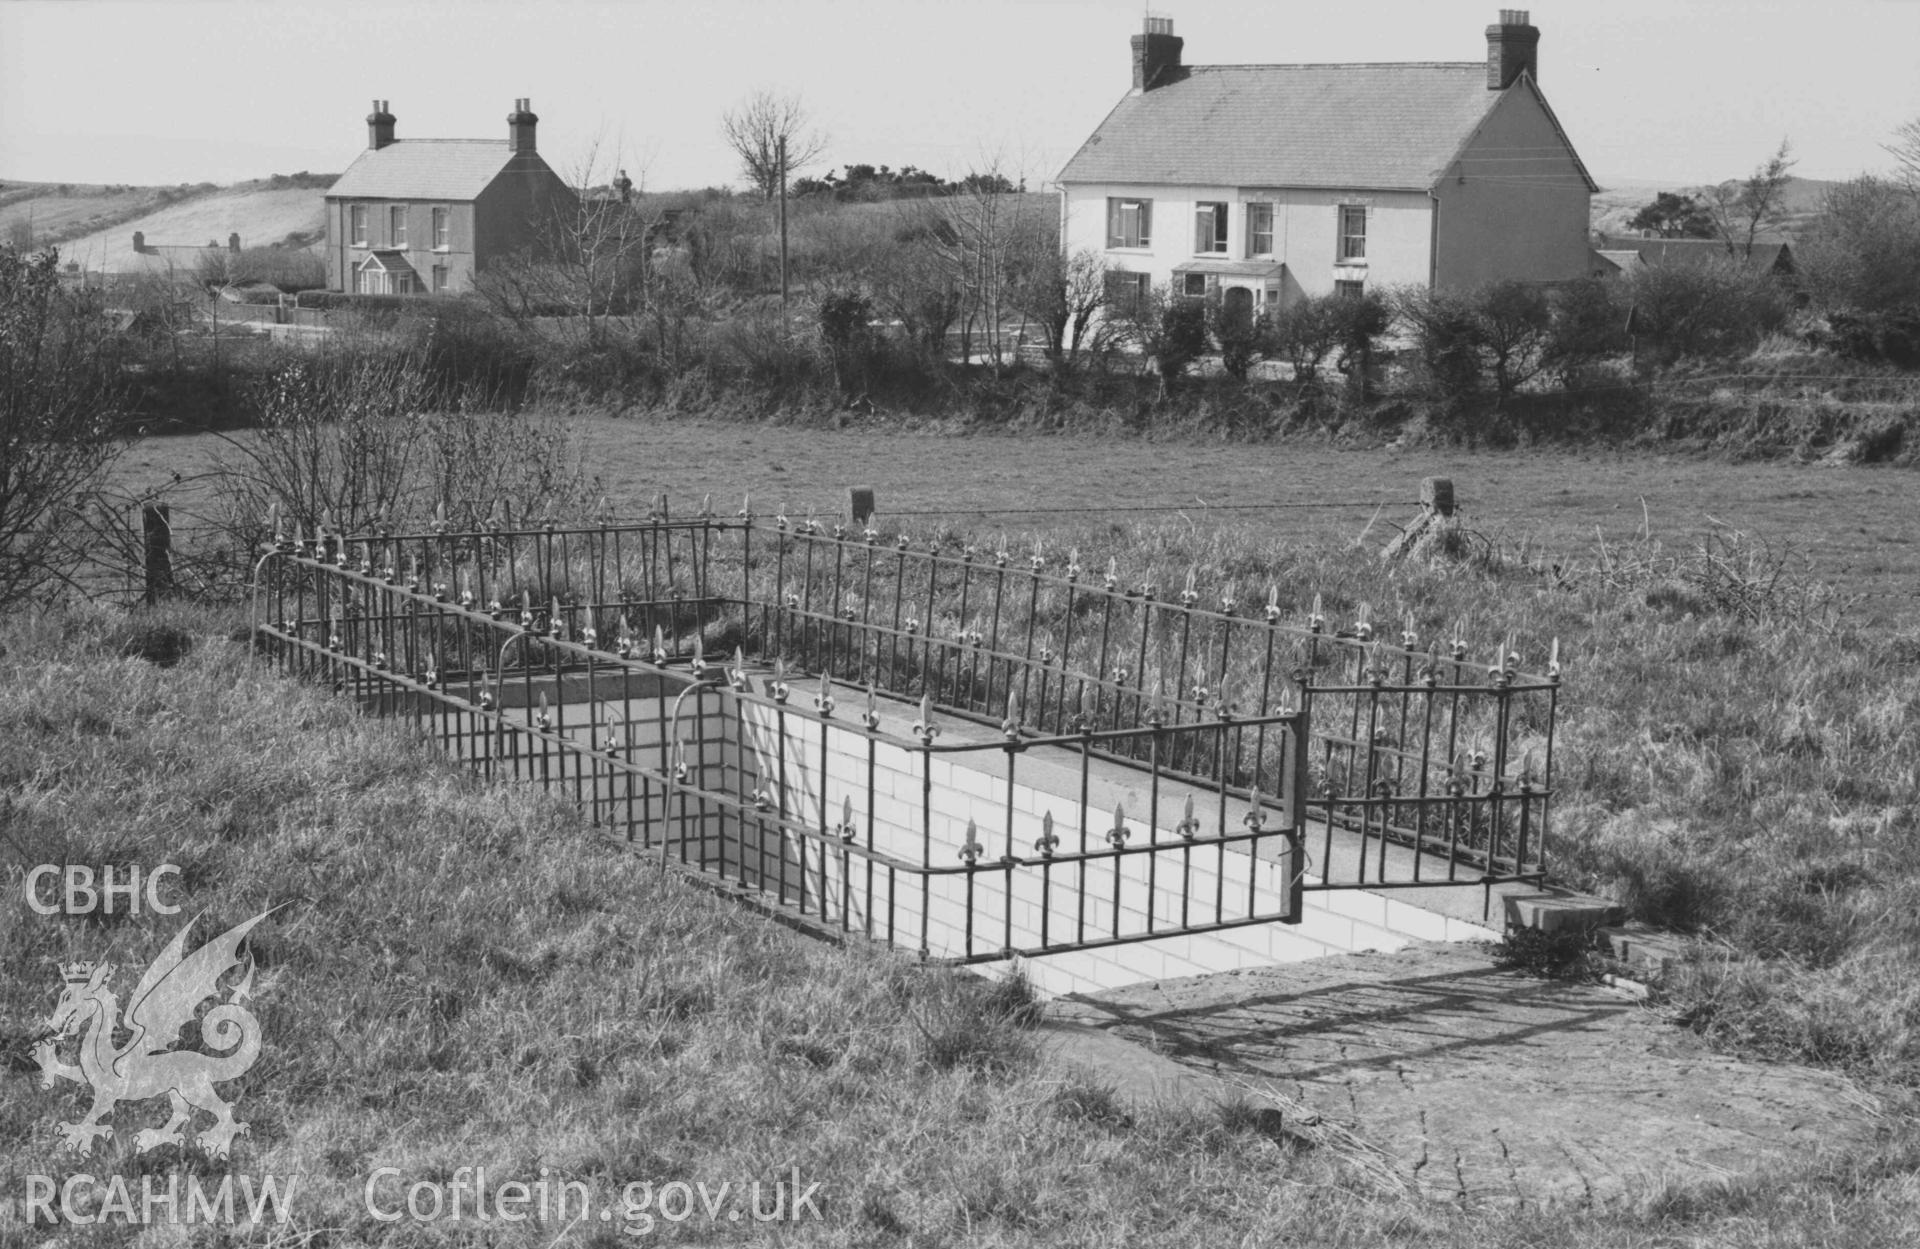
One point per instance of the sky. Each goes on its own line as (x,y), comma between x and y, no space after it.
(166,91)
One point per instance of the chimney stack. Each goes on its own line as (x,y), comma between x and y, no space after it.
(379,126)
(520,124)
(1156,54)
(1512,46)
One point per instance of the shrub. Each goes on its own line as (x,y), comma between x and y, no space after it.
(1863,251)
(1359,321)
(1448,337)
(1891,336)
(845,319)
(1241,336)
(1586,324)
(1717,309)
(59,402)
(1303,332)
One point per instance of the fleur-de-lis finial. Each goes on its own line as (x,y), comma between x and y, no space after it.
(1190,594)
(1553,661)
(1011,725)
(1272,610)
(971,849)
(1256,816)
(871,716)
(1189,825)
(1317,618)
(847,830)
(1117,835)
(699,657)
(1047,842)
(823,701)
(780,687)
(737,673)
(543,719)
(659,646)
(924,728)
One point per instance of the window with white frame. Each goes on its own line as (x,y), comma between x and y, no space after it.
(439,278)
(357,224)
(1196,285)
(1353,232)
(397,225)
(1349,288)
(1259,229)
(1129,223)
(440,215)
(1210,229)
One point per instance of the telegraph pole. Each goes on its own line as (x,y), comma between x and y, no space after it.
(783,226)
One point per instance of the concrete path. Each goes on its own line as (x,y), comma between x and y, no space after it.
(1469,1083)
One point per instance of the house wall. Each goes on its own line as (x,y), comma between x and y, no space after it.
(1515,202)
(458,256)
(514,209)
(1306,226)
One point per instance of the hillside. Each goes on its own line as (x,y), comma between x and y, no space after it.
(261,216)
(55,212)
(1619,200)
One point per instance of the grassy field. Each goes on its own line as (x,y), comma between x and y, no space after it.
(1852,527)
(555,1005)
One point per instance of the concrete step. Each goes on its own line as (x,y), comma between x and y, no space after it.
(1559,910)
(1645,949)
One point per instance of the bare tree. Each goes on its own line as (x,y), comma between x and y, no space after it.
(1064,294)
(1745,208)
(756,129)
(59,401)
(591,259)
(1905,150)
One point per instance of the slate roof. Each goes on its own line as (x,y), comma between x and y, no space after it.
(1385,127)
(1773,256)
(391,261)
(446,169)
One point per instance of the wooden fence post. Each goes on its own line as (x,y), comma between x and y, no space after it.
(157,533)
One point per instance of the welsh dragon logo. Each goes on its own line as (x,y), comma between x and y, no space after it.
(150,1064)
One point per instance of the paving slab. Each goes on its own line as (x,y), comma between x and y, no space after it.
(1476,1084)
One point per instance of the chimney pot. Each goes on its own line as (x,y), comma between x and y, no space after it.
(520,125)
(1513,47)
(1156,54)
(379,126)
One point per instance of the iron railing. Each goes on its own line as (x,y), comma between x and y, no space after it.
(1411,742)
